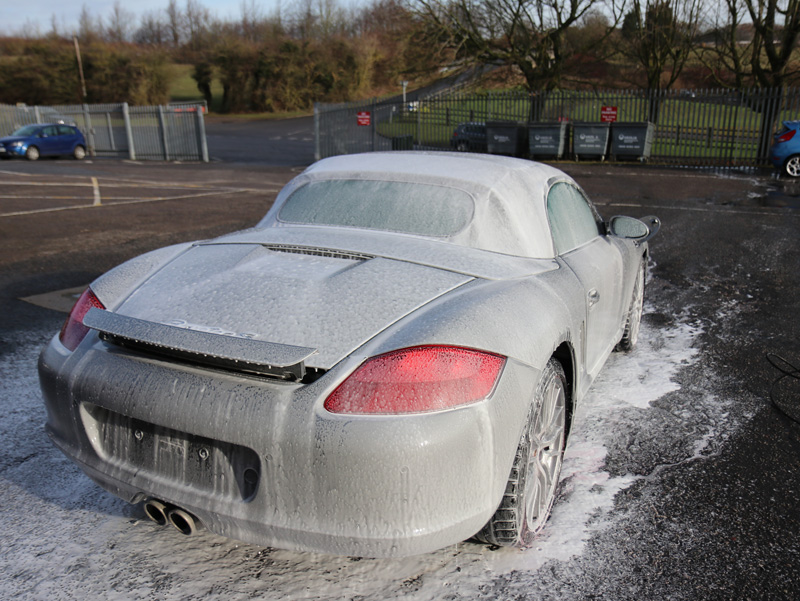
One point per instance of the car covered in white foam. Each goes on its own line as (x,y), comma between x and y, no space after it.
(385,365)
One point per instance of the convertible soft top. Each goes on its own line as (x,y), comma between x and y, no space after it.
(507,212)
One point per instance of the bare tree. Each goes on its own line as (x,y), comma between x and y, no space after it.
(331,18)
(53,26)
(528,34)
(89,28)
(152,30)
(726,48)
(30,30)
(659,37)
(751,42)
(119,24)
(252,17)
(776,26)
(197,22)
(175,23)
(318,19)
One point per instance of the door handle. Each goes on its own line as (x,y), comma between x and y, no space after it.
(594,297)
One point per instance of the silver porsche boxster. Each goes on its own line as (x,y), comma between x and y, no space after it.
(385,365)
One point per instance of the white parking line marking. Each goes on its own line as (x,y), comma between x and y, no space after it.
(115,203)
(192,191)
(96,190)
(61,184)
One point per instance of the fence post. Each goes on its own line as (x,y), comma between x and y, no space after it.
(202,142)
(87,123)
(317,144)
(419,121)
(128,131)
(110,132)
(163,127)
(36,114)
(373,121)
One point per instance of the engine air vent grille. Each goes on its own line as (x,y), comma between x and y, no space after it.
(318,252)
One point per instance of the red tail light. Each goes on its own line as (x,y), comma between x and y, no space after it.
(73,330)
(417,380)
(787,136)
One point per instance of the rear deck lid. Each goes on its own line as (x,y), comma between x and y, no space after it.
(331,302)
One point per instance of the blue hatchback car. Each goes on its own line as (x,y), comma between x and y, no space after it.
(48,139)
(785,151)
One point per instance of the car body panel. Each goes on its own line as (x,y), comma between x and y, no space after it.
(598,267)
(259,458)
(324,483)
(328,303)
(389,245)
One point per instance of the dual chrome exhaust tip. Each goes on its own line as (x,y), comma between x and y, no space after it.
(164,513)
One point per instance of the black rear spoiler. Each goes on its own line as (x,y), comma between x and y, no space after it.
(217,350)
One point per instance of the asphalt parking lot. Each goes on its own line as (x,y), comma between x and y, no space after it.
(693,496)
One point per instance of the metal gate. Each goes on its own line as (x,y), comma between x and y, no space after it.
(165,133)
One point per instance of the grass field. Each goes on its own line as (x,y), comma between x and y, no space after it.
(183,88)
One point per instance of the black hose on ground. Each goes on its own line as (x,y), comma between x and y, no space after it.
(786,404)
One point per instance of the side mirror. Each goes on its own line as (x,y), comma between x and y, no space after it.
(640,230)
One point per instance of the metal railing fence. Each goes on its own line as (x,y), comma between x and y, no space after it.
(692,127)
(168,133)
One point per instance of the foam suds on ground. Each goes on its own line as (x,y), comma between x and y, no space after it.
(64,538)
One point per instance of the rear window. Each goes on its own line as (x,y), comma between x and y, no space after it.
(410,208)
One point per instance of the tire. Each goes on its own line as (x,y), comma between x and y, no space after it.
(631,333)
(792,166)
(462,147)
(79,153)
(531,488)
(32,154)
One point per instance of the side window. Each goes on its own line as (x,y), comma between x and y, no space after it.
(65,130)
(572,220)
(49,131)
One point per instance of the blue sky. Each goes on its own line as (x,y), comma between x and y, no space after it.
(16,15)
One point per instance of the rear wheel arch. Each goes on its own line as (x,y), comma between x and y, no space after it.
(532,484)
(565,355)
(633,316)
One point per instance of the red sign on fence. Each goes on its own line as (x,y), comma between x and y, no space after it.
(608,114)
(364,118)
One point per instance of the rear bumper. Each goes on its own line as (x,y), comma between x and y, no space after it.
(351,485)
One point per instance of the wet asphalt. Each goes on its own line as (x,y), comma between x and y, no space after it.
(724,524)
